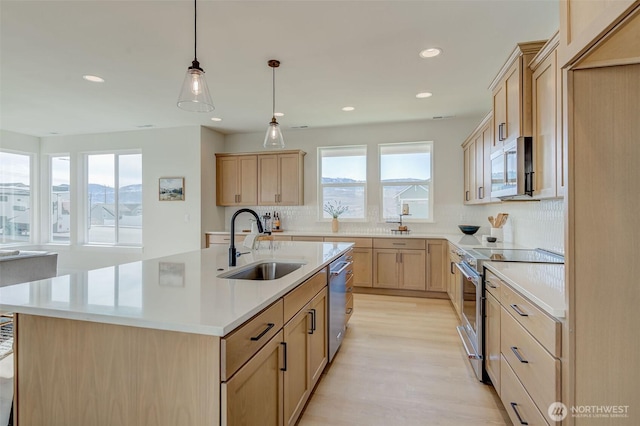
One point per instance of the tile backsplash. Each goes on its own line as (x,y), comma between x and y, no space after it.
(530,224)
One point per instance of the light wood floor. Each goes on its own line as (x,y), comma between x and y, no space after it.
(402,363)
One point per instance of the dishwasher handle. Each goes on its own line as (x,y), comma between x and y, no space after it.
(339,271)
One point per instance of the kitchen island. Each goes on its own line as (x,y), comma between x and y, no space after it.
(152,342)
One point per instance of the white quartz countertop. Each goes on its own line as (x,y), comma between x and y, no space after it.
(541,283)
(179,293)
(460,240)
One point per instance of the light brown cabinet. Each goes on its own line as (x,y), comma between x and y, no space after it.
(437,279)
(281,179)
(236,180)
(401,268)
(492,329)
(548,181)
(455,278)
(511,90)
(477,163)
(362,259)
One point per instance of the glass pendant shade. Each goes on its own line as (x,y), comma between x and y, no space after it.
(194,96)
(273,139)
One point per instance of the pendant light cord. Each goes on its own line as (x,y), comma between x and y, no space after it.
(273,109)
(195,30)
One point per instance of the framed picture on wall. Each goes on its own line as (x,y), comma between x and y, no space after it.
(171,189)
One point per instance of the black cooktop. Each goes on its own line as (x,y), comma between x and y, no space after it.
(519,255)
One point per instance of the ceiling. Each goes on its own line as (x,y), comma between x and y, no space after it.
(333,53)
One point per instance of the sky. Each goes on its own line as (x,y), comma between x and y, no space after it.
(395,166)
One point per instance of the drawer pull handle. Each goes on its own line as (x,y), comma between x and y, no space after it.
(284,344)
(265,331)
(518,311)
(515,410)
(350,289)
(490,284)
(349,311)
(349,258)
(517,354)
(399,244)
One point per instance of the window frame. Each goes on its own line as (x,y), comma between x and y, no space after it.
(33,198)
(84,218)
(47,212)
(428,183)
(321,186)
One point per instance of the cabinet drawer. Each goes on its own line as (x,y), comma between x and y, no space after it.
(224,238)
(349,306)
(536,369)
(300,296)
(493,284)
(399,243)
(239,346)
(358,242)
(544,328)
(516,401)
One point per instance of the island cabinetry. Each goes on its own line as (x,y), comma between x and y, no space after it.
(492,329)
(437,279)
(548,181)
(511,90)
(281,179)
(477,163)
(399,263)
(362,259)
(236,180)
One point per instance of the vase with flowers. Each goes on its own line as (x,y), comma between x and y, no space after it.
(335,209)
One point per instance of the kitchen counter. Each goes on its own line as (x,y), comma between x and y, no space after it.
(178,293)
(541,283)
(459,239)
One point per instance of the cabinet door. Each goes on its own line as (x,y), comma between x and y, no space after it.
(492,340)
(267,180)
(319,351)
(289,180)
(254,395)
(437,279)
(499,117)
(413,266)
(545,114)
(512,87)
(487,141)
(297,386)
(478,189)
(469,173)
(385,268)
(226,181)
(362,260)
(248,180)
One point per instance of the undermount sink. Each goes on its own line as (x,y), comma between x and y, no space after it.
(263,271)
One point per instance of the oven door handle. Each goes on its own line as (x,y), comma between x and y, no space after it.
(466,342)
(468,273)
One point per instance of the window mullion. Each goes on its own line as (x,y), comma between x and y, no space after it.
(116,201)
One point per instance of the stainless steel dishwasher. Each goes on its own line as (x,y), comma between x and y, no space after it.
(337,303)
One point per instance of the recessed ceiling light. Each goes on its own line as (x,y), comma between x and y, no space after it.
(93,78)
(430,53)
(216,119)
(348,108)
(424,95)
(279,114)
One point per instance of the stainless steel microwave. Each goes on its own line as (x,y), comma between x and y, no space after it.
(512,170)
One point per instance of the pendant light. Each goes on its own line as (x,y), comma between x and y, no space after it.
(273,138)
(194,96)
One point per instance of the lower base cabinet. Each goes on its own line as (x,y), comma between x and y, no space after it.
(519,405)
(255,394)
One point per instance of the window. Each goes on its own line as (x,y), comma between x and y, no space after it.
(114,215)
(406,178)
(60,206)
(15,198)
(342,175)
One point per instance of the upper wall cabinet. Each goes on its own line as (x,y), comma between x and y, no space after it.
(260,179)
(236,180)
(583,23)
(549,152)
(477,163)
(512,96)
(281,178)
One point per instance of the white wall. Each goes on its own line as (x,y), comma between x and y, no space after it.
(211,216)
(448,173)
(168,226)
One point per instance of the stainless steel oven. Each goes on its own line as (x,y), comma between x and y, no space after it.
(470,331)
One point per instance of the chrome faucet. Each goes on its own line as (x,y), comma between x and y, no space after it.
(232,248)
